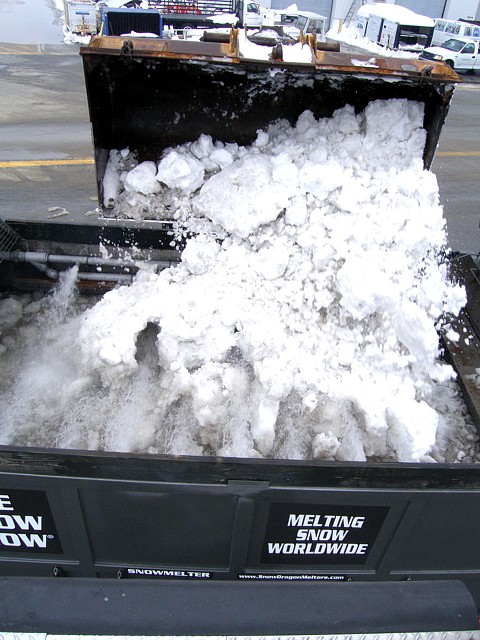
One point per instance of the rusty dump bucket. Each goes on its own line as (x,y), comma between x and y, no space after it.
(149,94)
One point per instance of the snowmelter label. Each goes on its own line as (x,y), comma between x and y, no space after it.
(321,534)
(141,572)
(26,523)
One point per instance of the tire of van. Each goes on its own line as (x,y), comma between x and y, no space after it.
(450,64)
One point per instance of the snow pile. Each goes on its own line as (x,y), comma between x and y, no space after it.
(301,322)
(396,13)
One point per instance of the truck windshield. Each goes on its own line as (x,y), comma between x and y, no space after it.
(453,44)
(301,22)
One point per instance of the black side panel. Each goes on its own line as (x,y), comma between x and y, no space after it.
(109,516)
(40,236)
(79,606)
(121,21)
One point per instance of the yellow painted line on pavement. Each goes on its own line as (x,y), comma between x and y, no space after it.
(466,154)
(22,53)
(32,52)
(17,164)
(10,49)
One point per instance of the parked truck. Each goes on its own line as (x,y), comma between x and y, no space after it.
(459,53)
(117,543)
(164,18)
(201,13)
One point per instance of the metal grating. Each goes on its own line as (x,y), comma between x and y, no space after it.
(194,7)
(8,238)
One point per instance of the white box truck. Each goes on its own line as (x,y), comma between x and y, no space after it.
(80,17)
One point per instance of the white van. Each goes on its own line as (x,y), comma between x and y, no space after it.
(446,29)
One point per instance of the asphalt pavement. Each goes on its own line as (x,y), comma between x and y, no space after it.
(457,167)
(46,156)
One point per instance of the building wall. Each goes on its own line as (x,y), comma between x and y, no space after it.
(467,9)
(323,7)
(449,9)
(430,8)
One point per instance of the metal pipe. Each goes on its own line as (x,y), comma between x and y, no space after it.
(48,271)
(96,261)
(40,260)
(53,274)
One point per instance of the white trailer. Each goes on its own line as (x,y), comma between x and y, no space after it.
(373,27)
(394,26)
(80,16)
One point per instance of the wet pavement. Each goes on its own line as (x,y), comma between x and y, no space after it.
(46,155)
(35,22)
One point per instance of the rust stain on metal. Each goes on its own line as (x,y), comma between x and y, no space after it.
(323,61)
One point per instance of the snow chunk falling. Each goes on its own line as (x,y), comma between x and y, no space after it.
(182,172)
(225,193)
(302,319)
(142,179)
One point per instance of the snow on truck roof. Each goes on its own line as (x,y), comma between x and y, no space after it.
(396,13)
